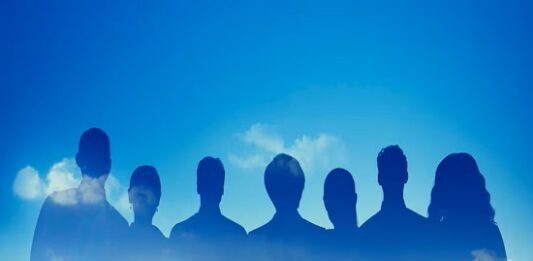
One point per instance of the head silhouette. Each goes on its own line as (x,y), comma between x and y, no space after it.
(144,192)
(284,182)
(94,153)
(459,191)
(392,167)
(210,177)
(340,199)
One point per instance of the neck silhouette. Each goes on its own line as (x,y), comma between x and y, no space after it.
(143,219)
(209,205)
(92,190)
(393,195)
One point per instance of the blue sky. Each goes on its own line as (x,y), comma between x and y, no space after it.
(171,82)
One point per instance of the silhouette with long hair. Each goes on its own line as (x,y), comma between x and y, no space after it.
(145,241)
(287,236)
(208,235)
(460,206)
(79,223)
(340,199)
(395,232)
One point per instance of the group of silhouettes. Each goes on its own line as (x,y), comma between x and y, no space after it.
(80,224)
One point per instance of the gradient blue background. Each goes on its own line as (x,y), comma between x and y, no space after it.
(173,81)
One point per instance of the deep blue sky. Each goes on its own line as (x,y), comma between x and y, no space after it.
(174,81)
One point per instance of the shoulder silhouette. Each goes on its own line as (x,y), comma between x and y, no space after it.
(395,232)
(208,235)
(340,200)
(80,224)
(461,209)
(145,241)
(287,236)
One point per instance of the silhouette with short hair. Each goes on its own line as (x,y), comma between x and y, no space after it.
(395,232)
(145,241)
(287,236)
(79,223)
(208,235)
(460,206)
(340,200)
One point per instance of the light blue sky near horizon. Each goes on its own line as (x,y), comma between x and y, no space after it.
(173,82)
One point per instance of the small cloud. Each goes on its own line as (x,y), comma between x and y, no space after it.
(260,136)
(321,151)
(248,162)
(485,255)
(117,194)
(64,175)
(28,184)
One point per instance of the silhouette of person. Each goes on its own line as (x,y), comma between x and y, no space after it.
(79,223)
(145,241)
(208,235)
(460,206)
(340,200)
(395,232)
(287,236)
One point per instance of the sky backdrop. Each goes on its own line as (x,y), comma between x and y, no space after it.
(331,83)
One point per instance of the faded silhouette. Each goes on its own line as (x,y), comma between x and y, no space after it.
(340,199)
(208,235)
(395,232)
(287,236)
(145,241)
(80,224)
(460,207)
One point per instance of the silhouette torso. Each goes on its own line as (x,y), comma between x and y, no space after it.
(207,236)
(395,232)
(146,242)
(70,229)
(286,237)
(470,241)
(341,245)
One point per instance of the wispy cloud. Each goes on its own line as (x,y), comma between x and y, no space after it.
(313,152)
(63,175)
(29,185)
(485,255)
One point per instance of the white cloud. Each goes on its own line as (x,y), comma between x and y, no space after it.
(249,162)
(313,153)
(28,184)
(485,255)
(321,151)
(117,194)
(260,136)
(63,175)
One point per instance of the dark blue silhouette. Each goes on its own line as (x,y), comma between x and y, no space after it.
(145,241)
(208,235)
(340,200)
(80,224)
(287,236)
(460,206)
(395,232)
